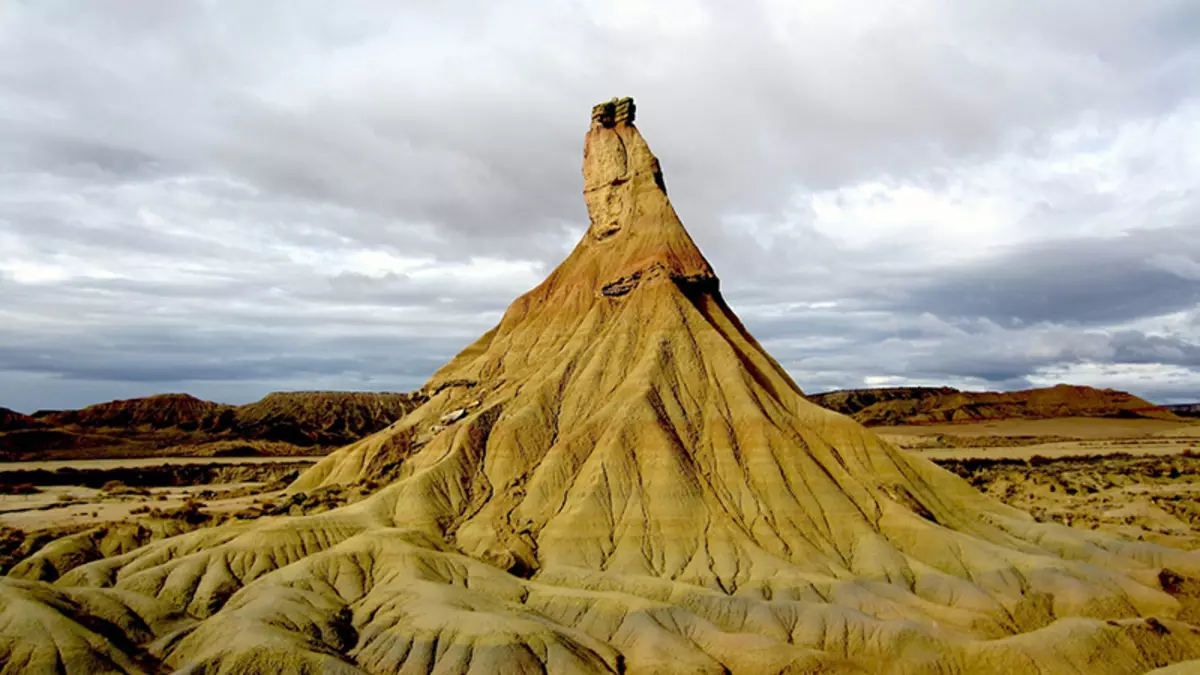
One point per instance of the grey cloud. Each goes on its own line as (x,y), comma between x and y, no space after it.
(1086,281)
(174,356)
(1136,347)
(204,174)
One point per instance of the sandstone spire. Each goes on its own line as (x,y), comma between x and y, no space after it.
(628,207)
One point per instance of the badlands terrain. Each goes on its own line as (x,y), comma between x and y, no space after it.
(618,478)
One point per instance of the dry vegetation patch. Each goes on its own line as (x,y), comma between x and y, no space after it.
(1148,498)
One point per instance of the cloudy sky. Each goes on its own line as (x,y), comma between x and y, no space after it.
(229,198)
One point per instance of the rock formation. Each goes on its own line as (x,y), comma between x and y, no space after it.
(617,478)
(933,405)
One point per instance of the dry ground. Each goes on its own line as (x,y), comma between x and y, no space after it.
(116,505)
(1139,479)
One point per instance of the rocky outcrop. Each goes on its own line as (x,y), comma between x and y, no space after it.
(611,113)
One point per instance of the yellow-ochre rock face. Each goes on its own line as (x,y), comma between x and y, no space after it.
(618,478)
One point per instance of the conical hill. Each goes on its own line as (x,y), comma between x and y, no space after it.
(618,478)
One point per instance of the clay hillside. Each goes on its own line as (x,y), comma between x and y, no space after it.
(618,479)
(934,405)
(170,424)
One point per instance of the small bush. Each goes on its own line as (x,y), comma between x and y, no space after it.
(117,488)
(20,489)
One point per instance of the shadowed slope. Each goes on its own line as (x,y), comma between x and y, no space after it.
(618,477)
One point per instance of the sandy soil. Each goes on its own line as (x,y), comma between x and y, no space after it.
(152,486)
(1063,449)
(1025,439)
(70,506)
(1083,428)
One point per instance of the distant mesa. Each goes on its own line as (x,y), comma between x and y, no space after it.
(155,412)
(1185,409)
(288,422)
(937,405)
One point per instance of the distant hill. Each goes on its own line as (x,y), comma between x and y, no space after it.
(328,418)
(11,420)
(933,405)
(280,423)
(1185,409)
(160,411)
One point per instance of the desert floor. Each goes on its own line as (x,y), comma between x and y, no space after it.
(40,501)
(1136,478)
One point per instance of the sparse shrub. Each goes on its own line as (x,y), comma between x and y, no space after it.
(189,513)
(116,488)
(20,489)
(248,514)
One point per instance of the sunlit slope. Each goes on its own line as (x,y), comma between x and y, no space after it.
(617,478)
